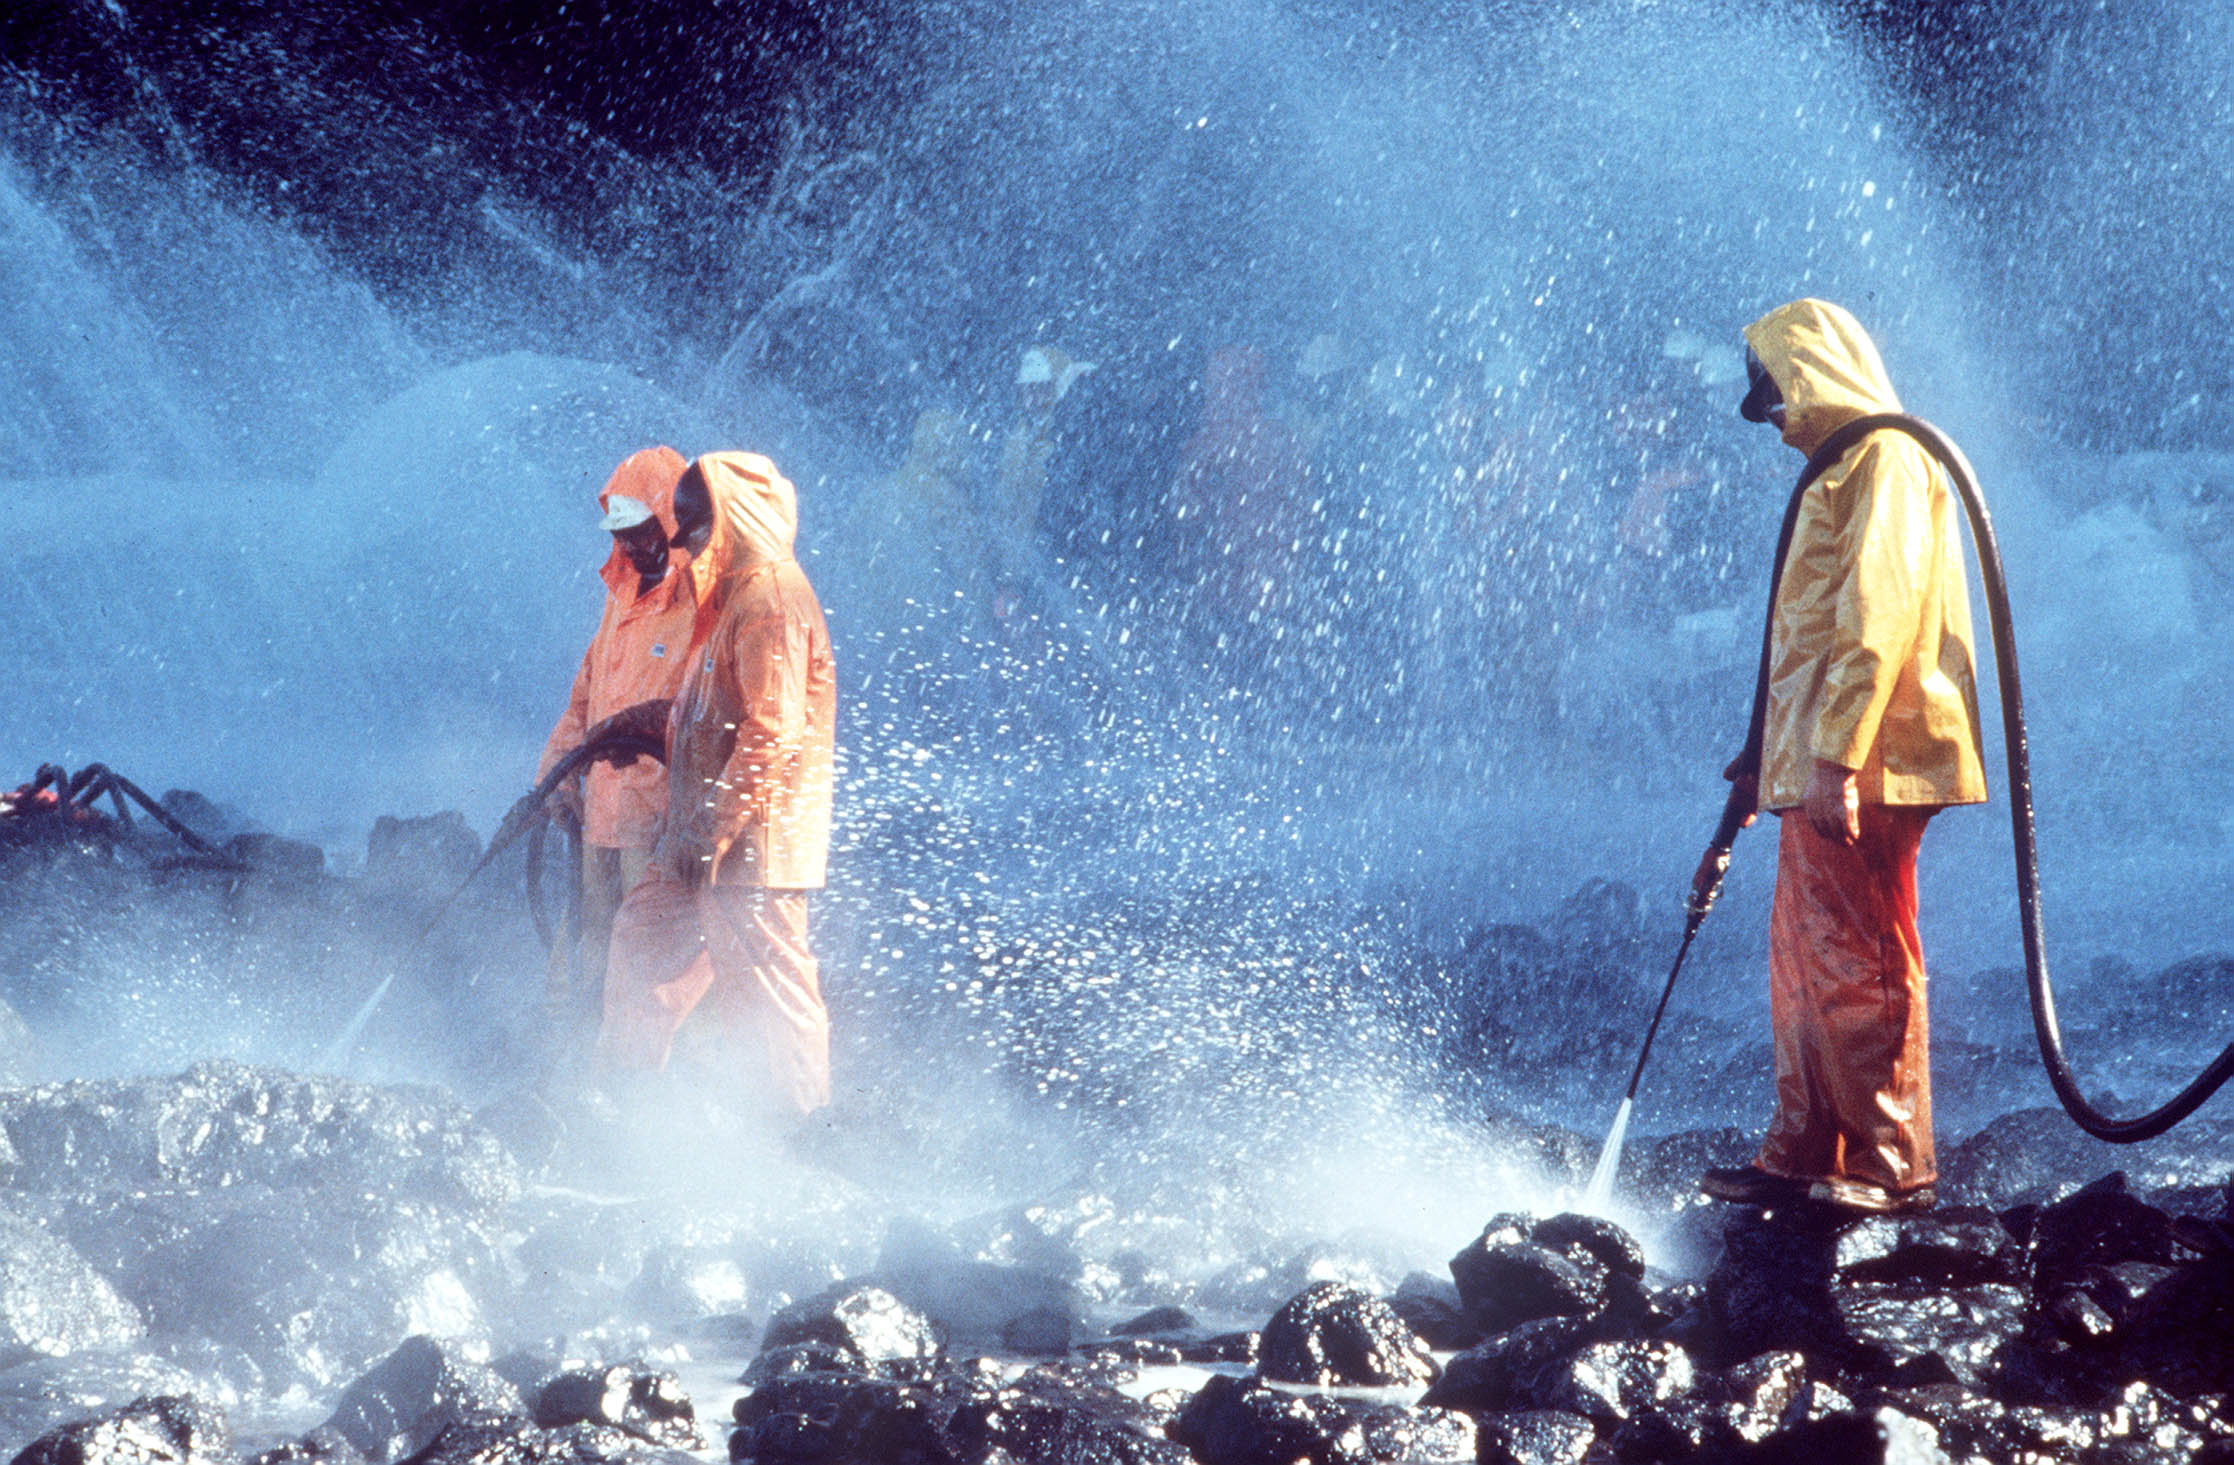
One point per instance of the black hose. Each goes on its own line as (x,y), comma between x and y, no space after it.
(2045,1029)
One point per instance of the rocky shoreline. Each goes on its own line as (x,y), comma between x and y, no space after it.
(194,1269)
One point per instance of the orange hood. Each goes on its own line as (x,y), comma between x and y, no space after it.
(649,477)
(756,518)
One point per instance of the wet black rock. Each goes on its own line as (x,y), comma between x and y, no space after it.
(1333,1334)
(1045,1332)
(52,1301)
(1491,1375)
(2180,1334)
(399,1406)
(1536,1437)
(1951,1248)
(1055,1416)
(167,1430)
(842,1416)
(1615,1249)
(1882,1436)
(518,1442)
(1611,1382)
(1241,1347)
(2038,1155)
(1234,1421)
(797,1358)
(1903,1335)
(321,1446)
(868,1325)
(1504,1284)
(1779,1284)
(973,1298)
(2100,1224)
(651,1406)
(1430,1306)
(1155,1320)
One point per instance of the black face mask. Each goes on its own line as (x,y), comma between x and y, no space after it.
(1761,393)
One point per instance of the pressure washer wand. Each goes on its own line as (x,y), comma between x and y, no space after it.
(1737,810)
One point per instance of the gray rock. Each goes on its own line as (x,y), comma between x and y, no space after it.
(398,1407)
(52,1301)
(223,1124)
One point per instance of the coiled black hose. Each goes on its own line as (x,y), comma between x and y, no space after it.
(2044,1026)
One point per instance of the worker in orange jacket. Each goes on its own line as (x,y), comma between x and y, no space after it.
(720,916)
(638,655)
(1872,728)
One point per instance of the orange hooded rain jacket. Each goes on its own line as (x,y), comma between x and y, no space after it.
(639,654)
(1870,661)
(752,739)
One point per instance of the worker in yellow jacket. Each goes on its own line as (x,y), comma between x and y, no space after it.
(1872,728)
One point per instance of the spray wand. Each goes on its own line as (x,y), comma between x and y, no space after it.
(1737,812)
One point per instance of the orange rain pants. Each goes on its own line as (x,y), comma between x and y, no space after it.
(1846,997)
(740,949)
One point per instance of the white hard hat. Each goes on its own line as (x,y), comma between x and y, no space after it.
(623,512)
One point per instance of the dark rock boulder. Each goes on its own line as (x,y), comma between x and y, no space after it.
(1505,1283)
(1611,1382)
(518,1442)
(2100,1224)
(2036,1155)
(651,1406)
(1882,1436)
(1057,1415)
(1781,1284)
(398,1407)
(844,1417)
(1949,1248)
(1536,1437)
(1615,1249)
(167,1430)
(1491,1376)
(868,1325)
(1333,1334)
(320,1447)
(1904,1335)
(1431,1307)
(797,1358)
(52,1301)
(1155,1320)
(1234,1421)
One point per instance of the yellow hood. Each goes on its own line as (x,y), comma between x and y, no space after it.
(1825,365)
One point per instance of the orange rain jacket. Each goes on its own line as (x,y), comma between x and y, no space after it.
(1870,662)
(639,654)
(752,738)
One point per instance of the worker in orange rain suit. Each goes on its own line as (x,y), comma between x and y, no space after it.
(721,916)
(1872,728)
(639,654)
